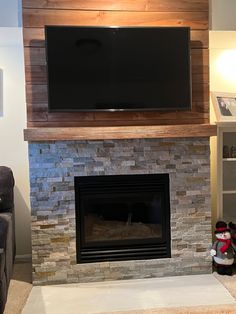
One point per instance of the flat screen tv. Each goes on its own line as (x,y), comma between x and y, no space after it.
(118,68)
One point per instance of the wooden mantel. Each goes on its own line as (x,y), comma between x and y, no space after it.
(119,132)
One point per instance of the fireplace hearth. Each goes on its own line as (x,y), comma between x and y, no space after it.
(122,217)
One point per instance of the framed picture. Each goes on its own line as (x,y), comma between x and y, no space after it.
(225,106)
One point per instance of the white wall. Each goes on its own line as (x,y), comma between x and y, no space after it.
(13,149)
(222,14)
(222,47)
(9,13)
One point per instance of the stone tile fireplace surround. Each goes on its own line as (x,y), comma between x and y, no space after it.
(53,166)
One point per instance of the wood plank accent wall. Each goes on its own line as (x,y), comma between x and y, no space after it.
(38,13)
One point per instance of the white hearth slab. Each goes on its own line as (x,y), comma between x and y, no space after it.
(109,296)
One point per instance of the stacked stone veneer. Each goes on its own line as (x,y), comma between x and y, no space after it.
(53,166)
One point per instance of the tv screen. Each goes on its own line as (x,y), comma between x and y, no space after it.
(118,68)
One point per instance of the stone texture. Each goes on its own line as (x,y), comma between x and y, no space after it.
(53,166)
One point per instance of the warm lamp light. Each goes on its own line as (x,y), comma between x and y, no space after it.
(226,65)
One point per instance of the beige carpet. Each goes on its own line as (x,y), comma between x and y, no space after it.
(21,286)
(191,310)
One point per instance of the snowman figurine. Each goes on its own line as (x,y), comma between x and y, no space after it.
(232,227)
(222,250)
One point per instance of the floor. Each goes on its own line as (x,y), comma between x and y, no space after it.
(112,296)
(20,287)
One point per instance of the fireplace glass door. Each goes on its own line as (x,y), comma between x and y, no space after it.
(122,217)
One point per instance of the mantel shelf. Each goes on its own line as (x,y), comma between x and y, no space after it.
(118,132)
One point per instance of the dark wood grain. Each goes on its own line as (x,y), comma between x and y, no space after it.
(37,74)
(38,93)
(34,37)
(40,17)
(36,56)
(121,5)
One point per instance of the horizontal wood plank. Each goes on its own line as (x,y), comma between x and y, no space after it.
(36,56)
(34,37)
(79,119)
(201,107)
(37,114)
(37,93)
(37,74)
(199,39)
(33,124)
(41,17)
(200,57)
(121,5)
(125,116)
(128,132)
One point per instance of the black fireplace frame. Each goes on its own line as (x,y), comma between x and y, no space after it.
(134,249)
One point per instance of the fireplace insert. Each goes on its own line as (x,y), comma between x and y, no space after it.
(122,217)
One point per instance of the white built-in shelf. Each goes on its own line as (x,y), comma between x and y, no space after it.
(229,192)
(225,110)
(229,159)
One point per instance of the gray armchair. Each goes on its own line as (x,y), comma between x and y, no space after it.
(7,232)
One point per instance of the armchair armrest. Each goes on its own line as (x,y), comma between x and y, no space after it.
(6,189)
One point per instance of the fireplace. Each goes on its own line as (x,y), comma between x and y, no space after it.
(122,217)
(56,209)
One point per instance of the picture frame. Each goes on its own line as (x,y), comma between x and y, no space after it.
(225,106)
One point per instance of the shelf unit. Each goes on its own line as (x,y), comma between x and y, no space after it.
(226,170)
(224,105)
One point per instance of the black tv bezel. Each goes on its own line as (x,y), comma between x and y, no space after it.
(157,109)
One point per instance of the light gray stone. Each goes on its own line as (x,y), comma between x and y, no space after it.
(52,169)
